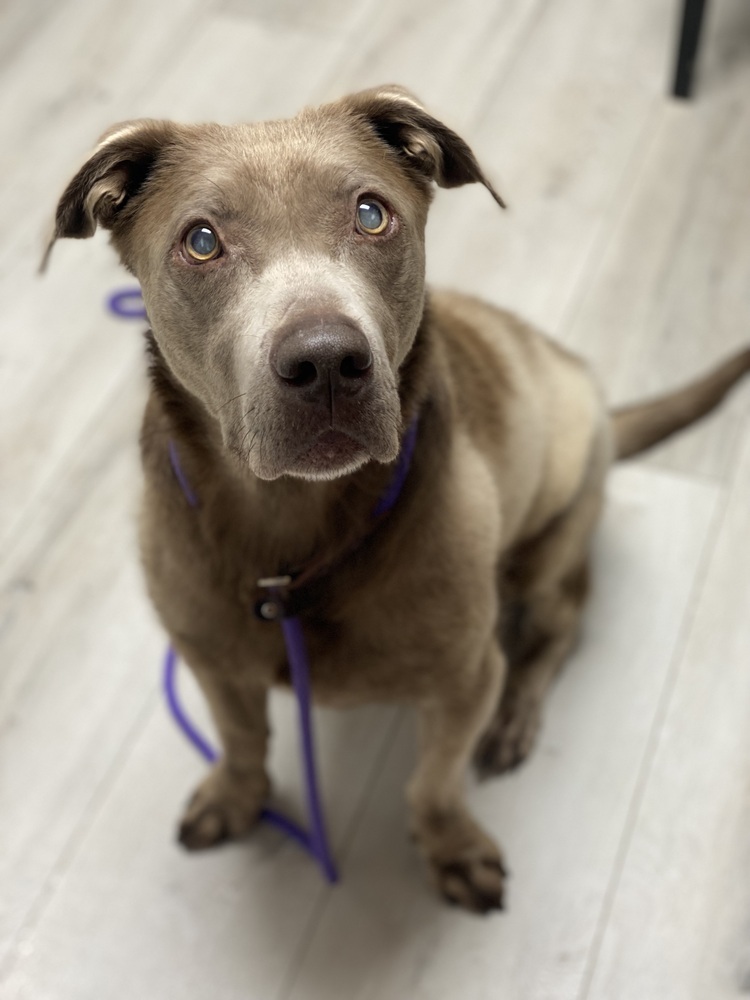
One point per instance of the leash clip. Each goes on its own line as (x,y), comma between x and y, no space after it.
(274,581)
(274,607)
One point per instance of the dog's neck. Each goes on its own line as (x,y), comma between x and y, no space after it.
(300,519)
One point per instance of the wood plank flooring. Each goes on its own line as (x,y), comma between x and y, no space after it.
(627,238)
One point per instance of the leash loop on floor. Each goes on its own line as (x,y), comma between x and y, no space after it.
(127,303)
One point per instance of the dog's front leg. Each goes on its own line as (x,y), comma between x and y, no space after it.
(464,861)
(229,800)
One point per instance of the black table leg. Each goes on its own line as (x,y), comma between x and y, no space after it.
(692,18)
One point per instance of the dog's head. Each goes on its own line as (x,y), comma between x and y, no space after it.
(282,266)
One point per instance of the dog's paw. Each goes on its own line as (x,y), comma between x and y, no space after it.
(465,864)
(511,735)
(223,807)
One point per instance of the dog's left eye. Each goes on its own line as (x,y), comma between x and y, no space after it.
(202,243)
(372,217)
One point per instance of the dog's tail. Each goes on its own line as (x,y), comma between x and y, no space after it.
(641,425)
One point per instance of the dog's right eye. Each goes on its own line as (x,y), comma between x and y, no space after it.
(372,217)
(202,243)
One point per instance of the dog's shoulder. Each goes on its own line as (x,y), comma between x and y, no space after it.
(532,407)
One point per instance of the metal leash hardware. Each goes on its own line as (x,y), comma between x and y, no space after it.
(274,608)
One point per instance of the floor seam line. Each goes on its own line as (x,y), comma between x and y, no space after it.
(653,741)
(70,849)
(325,897)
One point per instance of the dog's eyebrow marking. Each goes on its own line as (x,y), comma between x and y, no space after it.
(361,181)
(219,205)
(212,212)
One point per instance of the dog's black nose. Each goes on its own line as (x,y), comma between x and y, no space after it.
(323,358)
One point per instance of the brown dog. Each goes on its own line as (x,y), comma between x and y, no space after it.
(292,343)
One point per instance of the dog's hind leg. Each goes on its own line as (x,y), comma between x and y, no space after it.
(551,621)
(546,583)
(464,861)
(229,800)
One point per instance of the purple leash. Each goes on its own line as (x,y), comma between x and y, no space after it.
(296,651)
(315,841)
(393,491)
(127,304)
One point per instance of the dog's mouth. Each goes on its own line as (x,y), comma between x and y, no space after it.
(333,453)
(328,454)
(293,437)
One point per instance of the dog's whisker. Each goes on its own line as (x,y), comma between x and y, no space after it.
(238,396)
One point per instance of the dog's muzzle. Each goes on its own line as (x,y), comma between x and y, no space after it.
(325,402)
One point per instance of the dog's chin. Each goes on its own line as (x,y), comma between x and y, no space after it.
(331,455)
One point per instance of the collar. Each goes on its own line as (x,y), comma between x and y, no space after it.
(284,590)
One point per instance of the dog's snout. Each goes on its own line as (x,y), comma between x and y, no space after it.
(323,358)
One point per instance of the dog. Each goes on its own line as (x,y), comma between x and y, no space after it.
(293,344)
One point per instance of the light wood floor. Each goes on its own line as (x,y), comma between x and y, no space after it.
(628,239)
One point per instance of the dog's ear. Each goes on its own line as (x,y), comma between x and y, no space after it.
(110,178)
(426,147)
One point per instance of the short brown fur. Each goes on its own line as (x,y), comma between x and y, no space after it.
(465,600)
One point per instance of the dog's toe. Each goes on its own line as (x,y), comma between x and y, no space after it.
(510,738)
(222,808)
(475,885)
(501,751)
(206,829)
(464,862)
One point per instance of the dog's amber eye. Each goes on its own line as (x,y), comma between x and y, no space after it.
(372,217)
(202,243)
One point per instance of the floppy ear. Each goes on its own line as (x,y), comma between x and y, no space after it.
(109,179)
(427,148)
